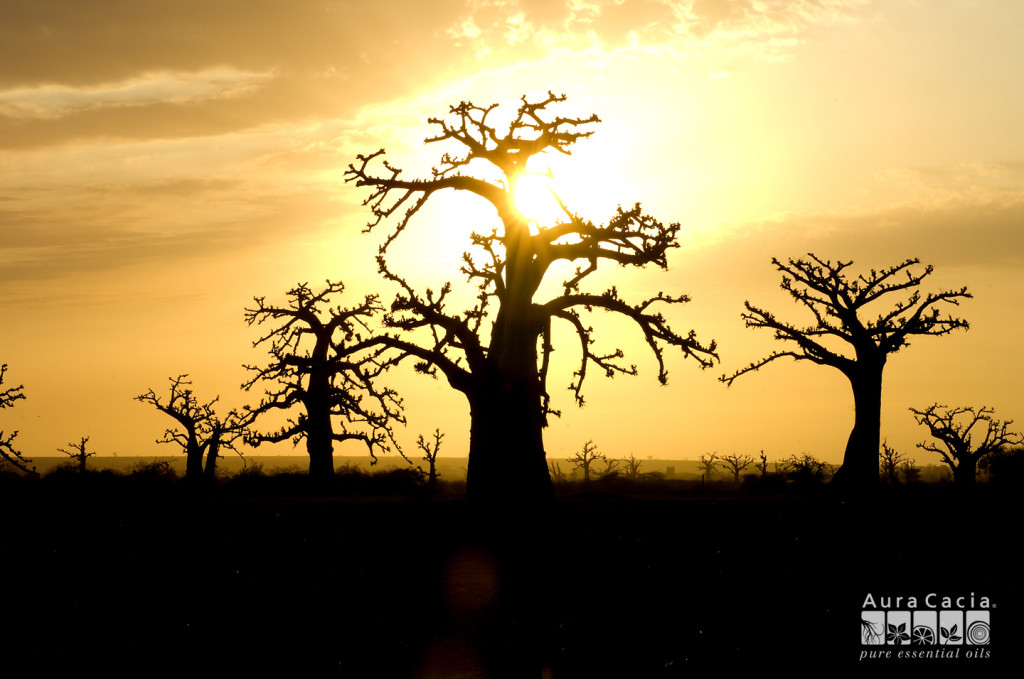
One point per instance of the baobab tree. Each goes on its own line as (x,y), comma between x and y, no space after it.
(736,464)
(497,353)
(202,432)
(77,453)
(8,397)
(846,336)
(586,458)
(312,368)
(632,466)
(707,465)
(956,430)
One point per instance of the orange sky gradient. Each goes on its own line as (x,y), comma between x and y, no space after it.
(163,163)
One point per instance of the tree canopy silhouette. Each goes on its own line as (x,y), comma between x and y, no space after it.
(955,429)
(202,432)
(311,366)
(497,353)
(844,336)
(8,397)
(78,453)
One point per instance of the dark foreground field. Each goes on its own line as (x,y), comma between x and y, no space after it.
(149,580)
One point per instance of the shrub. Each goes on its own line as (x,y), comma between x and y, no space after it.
(153,469)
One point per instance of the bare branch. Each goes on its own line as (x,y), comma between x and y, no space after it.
(955,428)
(8,397)
(837,302)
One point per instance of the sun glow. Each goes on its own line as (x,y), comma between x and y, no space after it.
(536,200)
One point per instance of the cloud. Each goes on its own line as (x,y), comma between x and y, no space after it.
(126,70)
(55,101)
(769,29)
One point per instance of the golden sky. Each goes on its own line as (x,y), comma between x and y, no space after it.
(163,163)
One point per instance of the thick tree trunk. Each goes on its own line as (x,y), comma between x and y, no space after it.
(320,445)
(965,472)
(507,462)
(193,462)
(506,449)
(211,460)
(319,429)
(860,462)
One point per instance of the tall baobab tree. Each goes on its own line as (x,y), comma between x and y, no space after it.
(8,397)
(201,432)
(848,336)
(311,367)
(497,353)
(958,431)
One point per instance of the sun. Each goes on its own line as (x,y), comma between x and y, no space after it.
(536,200)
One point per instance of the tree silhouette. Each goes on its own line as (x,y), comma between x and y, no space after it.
(557,475)
(311,366)
(844,337)
(202,432)
(955,428)
(430,452)
(497,353)
(586,458)
(7,399)
(762,466)
(707,465)
(891,462)
(736,464)
(611,468)
(807,470)
(77,453)
(632,466)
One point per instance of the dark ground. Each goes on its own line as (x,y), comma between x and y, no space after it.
(146,580)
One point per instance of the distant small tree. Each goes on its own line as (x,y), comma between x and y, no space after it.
(891,462)
(556,472)
(762,466)
(153,469)
(632,466)
(202,432)
(844,336)
(806,469)
(77,453)
(586,458)
(430,451)
(707,465)
(611,468)
(313,367)
(736,464)
(911,474)
(7,450)
(955,428)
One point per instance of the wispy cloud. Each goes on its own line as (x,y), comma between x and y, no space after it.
(55,100)
(769,29)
